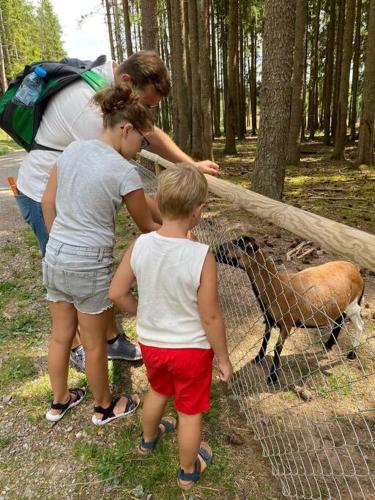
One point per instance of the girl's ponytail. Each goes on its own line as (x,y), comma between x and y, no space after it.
(119,102)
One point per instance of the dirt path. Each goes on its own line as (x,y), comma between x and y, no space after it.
(10,218)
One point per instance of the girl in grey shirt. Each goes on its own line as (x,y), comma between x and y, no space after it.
(89,183)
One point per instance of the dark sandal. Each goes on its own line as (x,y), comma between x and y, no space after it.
(205,453)
(146,447)
(108,415)
(64,407)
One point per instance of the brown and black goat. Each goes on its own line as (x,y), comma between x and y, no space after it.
(319,296)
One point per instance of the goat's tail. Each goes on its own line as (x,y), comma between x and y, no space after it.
(361,296)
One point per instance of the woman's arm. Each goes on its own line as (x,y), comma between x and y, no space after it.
(139,211)
(49,199)
(211,317)
(120,290)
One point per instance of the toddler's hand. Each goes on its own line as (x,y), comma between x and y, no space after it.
(225,371)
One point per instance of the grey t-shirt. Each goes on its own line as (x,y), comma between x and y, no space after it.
(92,178)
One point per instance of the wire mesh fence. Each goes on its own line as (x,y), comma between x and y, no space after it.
(304,364)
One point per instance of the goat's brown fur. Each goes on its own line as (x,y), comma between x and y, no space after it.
(315,297)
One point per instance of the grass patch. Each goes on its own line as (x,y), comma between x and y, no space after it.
(11,249)
(26,323)
(16,368)
(120,463)
(30,238)
(38,394)
(7,145)
(337,384)
(5,441)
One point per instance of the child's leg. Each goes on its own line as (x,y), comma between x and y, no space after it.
(153,409)
(189,440)
(93,329)
(64,323)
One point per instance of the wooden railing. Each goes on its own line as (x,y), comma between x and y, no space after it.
(341,239)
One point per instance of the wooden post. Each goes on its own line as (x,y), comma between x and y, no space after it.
(354,244)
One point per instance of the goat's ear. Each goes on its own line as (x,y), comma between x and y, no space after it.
(247,244)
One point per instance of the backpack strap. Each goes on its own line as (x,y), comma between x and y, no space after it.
(97,83)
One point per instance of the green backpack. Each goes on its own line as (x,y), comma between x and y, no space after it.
(22,123)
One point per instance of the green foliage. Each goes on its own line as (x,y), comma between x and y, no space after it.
(7,145)
(29,34)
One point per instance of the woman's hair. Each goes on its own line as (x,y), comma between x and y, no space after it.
(119,103)
(181,188)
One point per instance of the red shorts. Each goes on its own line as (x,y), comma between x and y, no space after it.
(183,373)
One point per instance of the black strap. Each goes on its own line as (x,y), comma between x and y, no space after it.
(61,406)
(79,393)
(107,412)
(36,146)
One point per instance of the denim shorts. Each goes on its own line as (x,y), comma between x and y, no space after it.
(79,275)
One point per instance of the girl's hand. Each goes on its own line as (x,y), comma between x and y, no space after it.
(225,371)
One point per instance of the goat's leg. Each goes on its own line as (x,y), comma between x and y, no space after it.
(262,352)
(358,325)
(335,332)
(273,377)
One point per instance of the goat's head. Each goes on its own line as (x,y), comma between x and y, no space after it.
(236,253)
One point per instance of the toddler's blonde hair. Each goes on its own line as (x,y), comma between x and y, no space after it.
(181,188)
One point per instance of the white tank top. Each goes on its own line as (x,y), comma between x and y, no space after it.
(168,272)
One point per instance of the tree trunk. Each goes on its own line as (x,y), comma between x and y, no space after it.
(294,142)
(277,66)
(366,130)
(328,72)
(241,84)
(128,34)
(231,105)
(188,68)
(196,148)
(178,66)
(356,62)
(3,78)
(224,45)
(206,78)
(314,75)
(253,77)
(215,86)
(342,109)
(110,28)
(164,44)
(116,15)
(338,63)
(149,25)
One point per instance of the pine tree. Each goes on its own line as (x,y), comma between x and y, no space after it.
(366,130)
(51,46)
(277,65)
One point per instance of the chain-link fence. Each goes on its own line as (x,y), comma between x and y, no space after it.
(304,364)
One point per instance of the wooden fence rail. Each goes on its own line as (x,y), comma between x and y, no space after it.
(341,239)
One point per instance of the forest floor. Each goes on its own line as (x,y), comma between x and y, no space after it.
(74,459)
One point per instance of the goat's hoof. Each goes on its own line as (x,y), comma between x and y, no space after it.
(352,355)
(257,360)
(272,379)
(328,346)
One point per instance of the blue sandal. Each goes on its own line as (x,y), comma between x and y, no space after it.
(205,453)
(146,447)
